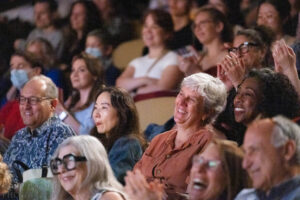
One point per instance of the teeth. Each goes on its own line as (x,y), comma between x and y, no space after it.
(198,184)
(239,109)
(181,111)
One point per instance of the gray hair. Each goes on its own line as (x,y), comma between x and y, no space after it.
(283,131)
(50,89)
(211,89)
(99,173)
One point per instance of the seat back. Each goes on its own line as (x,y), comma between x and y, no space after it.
(126,52)
(155,110)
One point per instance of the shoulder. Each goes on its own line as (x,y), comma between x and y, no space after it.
(111,196)
(245,194)
(126,142)
(138,60)
(59,128)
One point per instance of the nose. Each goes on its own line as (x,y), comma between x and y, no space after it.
(237,99)
(246,162)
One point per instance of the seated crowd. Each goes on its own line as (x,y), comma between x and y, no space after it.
(68,112)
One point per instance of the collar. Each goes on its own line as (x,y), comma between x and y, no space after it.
(281,189)
(40,130)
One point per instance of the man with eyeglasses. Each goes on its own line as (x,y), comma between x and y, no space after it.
(272,160)
(44,131)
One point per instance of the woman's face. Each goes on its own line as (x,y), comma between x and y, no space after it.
(189,108)
(205,29)
(269,17)
(254,57)
(208,178)
(81,77)
(71,180)
(18,62)
(246,101)
(153,35)
(105,115)
(78,17)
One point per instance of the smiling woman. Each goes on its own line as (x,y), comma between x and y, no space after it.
(82,171)
(169,156)
(265,93)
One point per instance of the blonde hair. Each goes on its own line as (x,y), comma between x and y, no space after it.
(5,177)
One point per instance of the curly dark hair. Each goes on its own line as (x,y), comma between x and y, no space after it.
(128,118)
(279,95)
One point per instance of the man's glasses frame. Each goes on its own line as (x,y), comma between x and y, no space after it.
(33,100)
(69,162)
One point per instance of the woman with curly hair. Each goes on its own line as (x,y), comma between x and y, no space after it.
(117,127)
(265,93)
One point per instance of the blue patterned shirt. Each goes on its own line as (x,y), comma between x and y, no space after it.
(30,147)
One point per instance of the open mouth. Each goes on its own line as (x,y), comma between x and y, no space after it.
(199,184)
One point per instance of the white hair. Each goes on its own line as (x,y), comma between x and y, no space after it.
(283,131)
(99,173)
(211,89)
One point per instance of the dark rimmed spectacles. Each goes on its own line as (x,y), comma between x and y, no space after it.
(69,162)
(209,164)
(31,100)
(243,48)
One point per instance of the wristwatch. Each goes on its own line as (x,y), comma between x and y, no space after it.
(63,115)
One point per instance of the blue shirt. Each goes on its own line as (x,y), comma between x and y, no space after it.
(30,147)
(84,117)
(123,155)
(288,190)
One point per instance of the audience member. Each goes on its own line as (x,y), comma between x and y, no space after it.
(213,31)
(169,155)
(35,144)
(273,14)
(23,67)
(100,44)
(272,159)
(251,49)
(86,78)
(117,127)
(183,34)
(216,173)
(84,17)
(114,20)
(264,93)
(44,15)
(81,171)
(44,52)
(158,70)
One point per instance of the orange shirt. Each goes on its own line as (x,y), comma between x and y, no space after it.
(169,165)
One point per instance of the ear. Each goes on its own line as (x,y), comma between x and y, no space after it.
(54,103)
(37,70)
(289,150)
(219,27)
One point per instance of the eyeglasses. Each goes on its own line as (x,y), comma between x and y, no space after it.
(243,48)
(31,100)
(69,162)
(200,24)
(209,164)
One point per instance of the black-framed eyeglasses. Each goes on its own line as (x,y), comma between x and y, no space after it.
(209,164)
(31,100)
(243,48)
(69,162)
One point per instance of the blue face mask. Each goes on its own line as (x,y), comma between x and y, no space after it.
(94,52)
(18,77)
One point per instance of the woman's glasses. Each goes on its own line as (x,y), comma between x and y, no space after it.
(243,48)
(69,162)
(209,164)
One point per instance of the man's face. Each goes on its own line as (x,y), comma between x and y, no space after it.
(264,163)
(35,115)
(42,15)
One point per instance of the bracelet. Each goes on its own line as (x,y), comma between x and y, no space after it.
(63,115)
